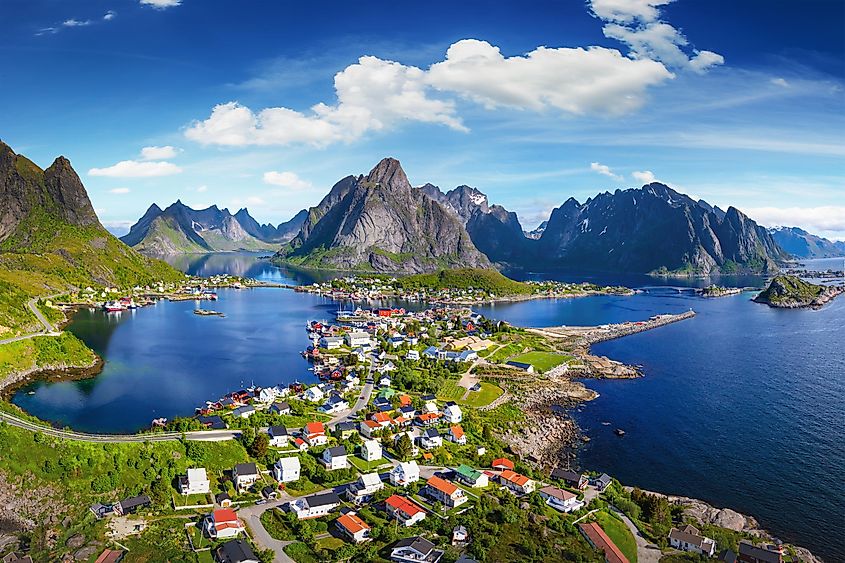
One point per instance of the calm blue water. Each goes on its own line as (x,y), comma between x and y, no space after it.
(742,406)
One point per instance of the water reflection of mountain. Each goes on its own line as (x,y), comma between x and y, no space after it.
(243,264)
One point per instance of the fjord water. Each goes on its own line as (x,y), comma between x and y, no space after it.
(741,406)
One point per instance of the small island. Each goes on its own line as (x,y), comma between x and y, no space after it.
(719,291)
(791,292)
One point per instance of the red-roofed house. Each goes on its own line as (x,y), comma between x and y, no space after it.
(223,523)
(427,419)
(446,492)
(456,434)
(404,510)
(351,525)
(315,434)
(502,463)
(516,482)
(367,427)
(382,418)
(599,540)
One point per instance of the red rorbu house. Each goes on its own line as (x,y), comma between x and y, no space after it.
(384,312)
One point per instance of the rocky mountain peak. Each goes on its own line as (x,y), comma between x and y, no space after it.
(389,174)
(68,194)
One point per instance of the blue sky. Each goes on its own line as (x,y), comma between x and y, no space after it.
(267,104)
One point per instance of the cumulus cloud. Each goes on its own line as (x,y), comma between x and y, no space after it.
(161,4)
(645,176)
(604,170)
(136,169)
(637,24)
(110,15)
(286,180)
(159,153)
(825,220)
(119,191)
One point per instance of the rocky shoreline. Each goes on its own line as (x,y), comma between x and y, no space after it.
(59,372)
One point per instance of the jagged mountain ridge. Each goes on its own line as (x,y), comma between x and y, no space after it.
(181,229)
(802,244)
(379,222)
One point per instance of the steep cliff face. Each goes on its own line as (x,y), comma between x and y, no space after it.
(379,222)
(655,229)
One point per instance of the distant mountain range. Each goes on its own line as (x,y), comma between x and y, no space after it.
(379,222)
(179,229)
(802,244)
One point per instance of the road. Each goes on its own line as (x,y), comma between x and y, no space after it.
(360,404)
(48,328)
(646,552)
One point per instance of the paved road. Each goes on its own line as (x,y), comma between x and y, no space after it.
(251,515)
(646,552)
(48,328)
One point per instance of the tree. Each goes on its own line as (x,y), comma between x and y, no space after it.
(247,436)
(258,447)
(404,447)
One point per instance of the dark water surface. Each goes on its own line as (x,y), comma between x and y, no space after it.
(742,406)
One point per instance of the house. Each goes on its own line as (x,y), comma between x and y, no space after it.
(357,338)
(314,506)
(460,536)
(370,450)
(315,434)
(408,412)
(471,477)
(313,394)
(100,511)
(235,551)
(446,492)
(245,475)
(345,429)
(269,394)
(131,505)
(222,524)
(527,368)
(245,411)
(195,482)
(412,355)
(456,434)
(13,558)
(453,414)
(571,478)
(432,352)
(381,402)
(750,553)
(689,538)
(427,418)
(107,556)
(335,403)
(286,469)
(278,436)
(467,356)
(270,492)
(415,550)
(406,511)
(431,439)
(223,499)
(385,381)
(430,402)
(331,342)
(517,483)
(602,482)
(502,464)
(367,485)
(367,427)
(598,539)
(300,444)
(212,422)
(280,408)
(383,419)
(351,525)
(335,458)
(405,473)
(560,499)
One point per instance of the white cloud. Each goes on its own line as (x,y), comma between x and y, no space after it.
(76,23)
(159,153)
(202,189)
(110,15)
(780,82)
(825,220)
(604,170)
(119,191)
(637,24)
(136,169)
(285,180)
(645,176)
(161,4)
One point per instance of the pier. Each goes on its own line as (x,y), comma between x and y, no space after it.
(589,335)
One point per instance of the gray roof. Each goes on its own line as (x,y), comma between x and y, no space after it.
(132,502)
(759,553)
(322,499)
(418,543)
(246,469)
(278,431)
(235,551)
(337,451)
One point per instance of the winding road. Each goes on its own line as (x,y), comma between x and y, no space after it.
(48,328)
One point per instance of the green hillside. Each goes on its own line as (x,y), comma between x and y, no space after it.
(490,281)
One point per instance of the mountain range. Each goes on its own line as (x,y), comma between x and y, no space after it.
(802,244)
(179,229)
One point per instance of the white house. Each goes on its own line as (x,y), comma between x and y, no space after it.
(406,511)
(286,469)
(690,539)
(331,342)
(357,338)
(222,524)
(384,381)
(370,450)
(335,458)
(245,475)
(456,434)
(412,355)
(195,482)
(560,499)
(367,484)
(313,394)
(315,434)
(280,408)
(278,436)
(431,439)
(415,550)
(245,411)
(405,473)
(351,525)
(452,414)
(472,477)
(335,403)
(314,506)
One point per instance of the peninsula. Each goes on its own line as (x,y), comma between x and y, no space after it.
(791,292)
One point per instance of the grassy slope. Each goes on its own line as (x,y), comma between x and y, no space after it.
(465,278)
(44,351)
(789,288)
(619,534)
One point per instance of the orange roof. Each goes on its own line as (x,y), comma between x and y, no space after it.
(224,515)
(599,538)
(299,441)
(429,416)
(442,485)
(400,420)
(404,400)
(372,424)
(315,428)
(403,505)
(502,462)
(514,477)
(457,432)
(381,417)
(352,523)
(427,456)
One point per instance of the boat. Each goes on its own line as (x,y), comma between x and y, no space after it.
(112,307)
(619,432)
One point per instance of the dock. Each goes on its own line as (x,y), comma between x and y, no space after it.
(589,335)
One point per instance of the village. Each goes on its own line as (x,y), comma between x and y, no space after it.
(399,454)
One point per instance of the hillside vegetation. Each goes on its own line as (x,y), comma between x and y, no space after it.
(789,292)
(490,281)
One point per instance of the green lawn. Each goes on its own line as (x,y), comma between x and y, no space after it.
(619,533)
(542,361)
(451,391)
(366,466)
(330,543)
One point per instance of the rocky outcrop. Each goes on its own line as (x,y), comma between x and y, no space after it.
(379,222)
(791,292)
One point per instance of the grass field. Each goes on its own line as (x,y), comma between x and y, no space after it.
(366,466)
(451,391)
(619,533)
(542,361)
